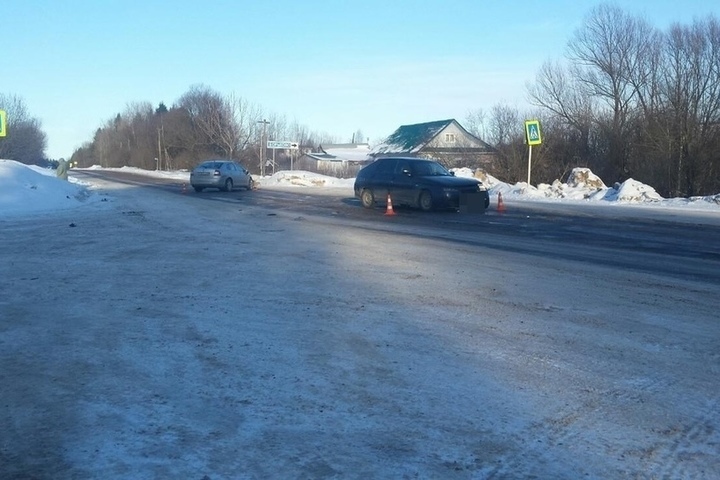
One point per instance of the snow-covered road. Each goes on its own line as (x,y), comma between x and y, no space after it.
(146,339)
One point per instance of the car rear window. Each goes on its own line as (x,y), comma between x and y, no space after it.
(215,165)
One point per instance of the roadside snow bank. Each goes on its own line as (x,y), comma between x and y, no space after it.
(26,188)
(583,185)
(301,178)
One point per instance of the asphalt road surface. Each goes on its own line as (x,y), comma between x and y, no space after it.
(633,238)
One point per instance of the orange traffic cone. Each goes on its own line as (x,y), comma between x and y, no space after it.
(389,210)
(501,204)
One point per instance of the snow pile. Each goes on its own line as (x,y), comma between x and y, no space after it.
(301,178)
(631,191)
(28,187)
(583,177)
(583,185)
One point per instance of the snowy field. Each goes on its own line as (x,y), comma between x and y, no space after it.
(141,338)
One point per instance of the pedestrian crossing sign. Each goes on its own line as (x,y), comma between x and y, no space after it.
(3,123)
(532,132)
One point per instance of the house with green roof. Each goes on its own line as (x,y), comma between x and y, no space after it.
(443,140)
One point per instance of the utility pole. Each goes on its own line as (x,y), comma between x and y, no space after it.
(158,160)
(262,147)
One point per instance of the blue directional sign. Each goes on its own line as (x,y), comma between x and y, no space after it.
(532,132)
(3,123)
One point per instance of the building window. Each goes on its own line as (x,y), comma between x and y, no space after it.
(449,138)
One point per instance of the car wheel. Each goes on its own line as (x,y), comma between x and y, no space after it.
(228,185)
(425,202)
(198,189)
(367,198)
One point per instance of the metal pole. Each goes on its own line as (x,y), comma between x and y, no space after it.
(262,139)
(262,147)
(529,163)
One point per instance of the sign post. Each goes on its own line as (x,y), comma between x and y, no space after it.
(284,145)
(532,134)
(3,123)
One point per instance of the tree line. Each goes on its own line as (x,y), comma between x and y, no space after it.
(628,101)
(202,123)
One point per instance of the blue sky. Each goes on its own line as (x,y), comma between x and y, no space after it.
(334,66)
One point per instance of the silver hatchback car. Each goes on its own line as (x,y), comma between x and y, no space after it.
(221,174)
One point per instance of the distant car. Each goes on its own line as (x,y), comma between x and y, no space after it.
(420,183)
(221,174)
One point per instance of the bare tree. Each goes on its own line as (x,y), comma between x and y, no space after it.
(567,114)
(692,92)
(15,108)
(476,123)
(142,125)
(211,118)
(182,143)
(242,118)
(25,141)
(559,92)
(606,50)
(504,130)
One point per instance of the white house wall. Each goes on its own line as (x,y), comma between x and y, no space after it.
(462,139)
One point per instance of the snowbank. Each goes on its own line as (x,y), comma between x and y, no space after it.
(30,188)
(583,185)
